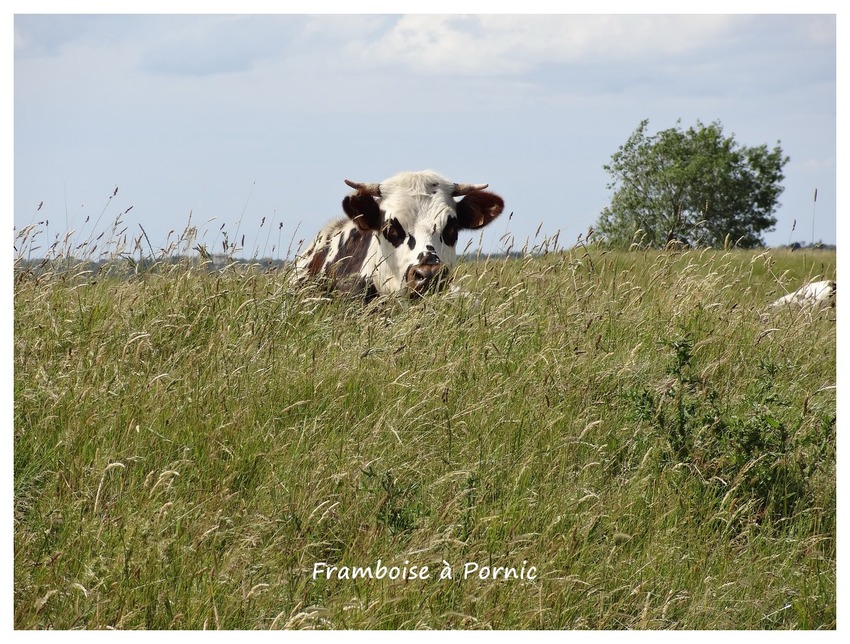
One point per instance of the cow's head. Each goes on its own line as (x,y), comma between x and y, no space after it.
(416,219)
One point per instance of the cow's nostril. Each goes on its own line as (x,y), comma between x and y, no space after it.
(423,277)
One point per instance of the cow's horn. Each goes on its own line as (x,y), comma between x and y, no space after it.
(465,188)
(373,189)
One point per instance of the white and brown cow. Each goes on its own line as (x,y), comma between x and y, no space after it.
(399,236)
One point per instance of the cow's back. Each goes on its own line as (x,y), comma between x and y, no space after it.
(341,254)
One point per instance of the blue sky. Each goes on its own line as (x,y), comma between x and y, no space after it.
(252,122)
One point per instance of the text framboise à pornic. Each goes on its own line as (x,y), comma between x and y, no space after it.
(470,569)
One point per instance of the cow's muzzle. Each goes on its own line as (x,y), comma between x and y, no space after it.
(429,275)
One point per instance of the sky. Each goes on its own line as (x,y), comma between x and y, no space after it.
(245,126)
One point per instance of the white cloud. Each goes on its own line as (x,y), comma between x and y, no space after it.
(502,44)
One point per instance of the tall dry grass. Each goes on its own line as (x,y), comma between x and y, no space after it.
(191,440)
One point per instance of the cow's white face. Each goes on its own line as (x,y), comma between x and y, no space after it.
(416,220)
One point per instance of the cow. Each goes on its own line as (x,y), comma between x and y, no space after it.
(398,236)
(813,293)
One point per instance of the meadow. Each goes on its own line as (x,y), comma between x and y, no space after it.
(581,439)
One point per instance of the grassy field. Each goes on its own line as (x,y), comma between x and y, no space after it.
(624,440)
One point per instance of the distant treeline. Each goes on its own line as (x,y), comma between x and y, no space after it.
(127,266)
(804,246)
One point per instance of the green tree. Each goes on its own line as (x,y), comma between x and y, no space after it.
(695,186)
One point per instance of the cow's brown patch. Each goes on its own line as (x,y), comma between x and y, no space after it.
(351,254)
(317,262)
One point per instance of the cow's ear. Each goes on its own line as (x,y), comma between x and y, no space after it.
(363,210)
(477,209)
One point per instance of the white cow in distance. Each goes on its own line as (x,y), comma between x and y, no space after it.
(811,294)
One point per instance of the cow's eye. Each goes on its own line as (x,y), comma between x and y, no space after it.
(449,235)
(393,232)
